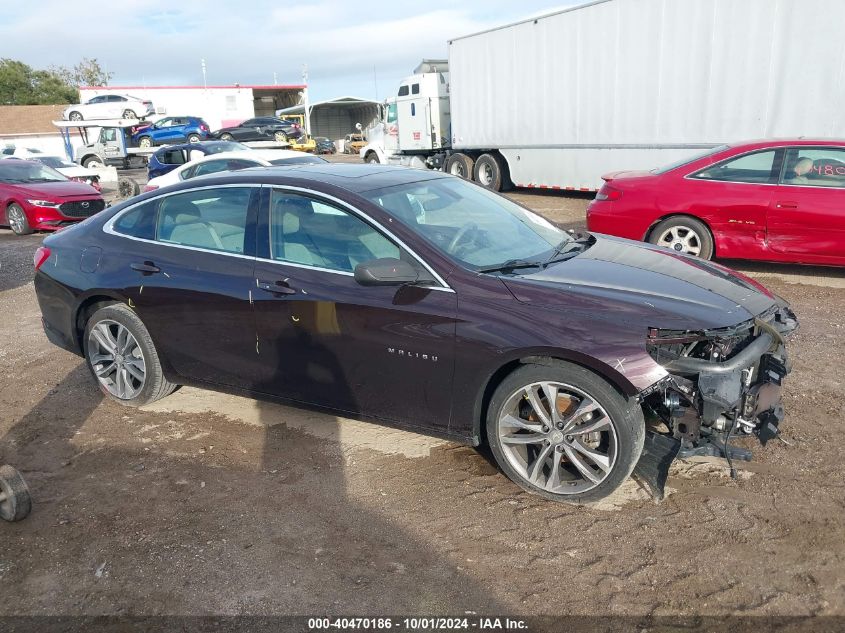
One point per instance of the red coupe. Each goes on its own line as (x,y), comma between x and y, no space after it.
(34,197)
(777,200)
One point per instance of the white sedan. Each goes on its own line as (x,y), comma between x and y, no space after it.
(109,107)
(61,165)
(231,161)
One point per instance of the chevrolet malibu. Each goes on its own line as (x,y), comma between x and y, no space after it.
(420,300)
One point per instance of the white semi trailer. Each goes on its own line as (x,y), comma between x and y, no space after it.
(557,101)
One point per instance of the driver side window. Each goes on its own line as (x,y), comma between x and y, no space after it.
(312,233)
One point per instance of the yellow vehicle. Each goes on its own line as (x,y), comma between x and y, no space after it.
(303,144)
(354,143)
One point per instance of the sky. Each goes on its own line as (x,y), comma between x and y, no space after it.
(351,47)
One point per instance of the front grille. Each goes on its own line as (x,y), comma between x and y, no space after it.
(82,208)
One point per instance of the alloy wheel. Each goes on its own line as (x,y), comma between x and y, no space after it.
(557,437)
(681,239)
(16,218)
(117,359)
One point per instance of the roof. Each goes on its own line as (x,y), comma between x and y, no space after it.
(29,119)
(339,101)
(233,87)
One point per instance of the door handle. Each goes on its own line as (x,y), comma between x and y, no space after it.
(279,287)
(787,205)
(148,268)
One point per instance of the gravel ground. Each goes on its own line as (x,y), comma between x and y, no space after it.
(209,504)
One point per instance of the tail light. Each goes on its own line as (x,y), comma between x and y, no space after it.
(150,187)
(608,193)
(204,127)
(42,254)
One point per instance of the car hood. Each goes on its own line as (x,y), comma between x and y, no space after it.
(60,189)
(621,279)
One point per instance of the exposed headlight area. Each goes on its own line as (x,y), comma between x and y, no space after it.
(721,383)
(48,204)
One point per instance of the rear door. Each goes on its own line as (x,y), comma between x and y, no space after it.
(386,352)
(192,254)
(807,216)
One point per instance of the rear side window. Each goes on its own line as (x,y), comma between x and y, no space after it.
(172,157)
(212,219)
(139,221)
(415,89)
(758,167)
(815,167)
(211,167)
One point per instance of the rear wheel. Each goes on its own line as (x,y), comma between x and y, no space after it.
(227,137)
(460,165)
(684,234)
(122,357)
(18,220)
(145,141)
(562,432)
(193,138)
(75,116)
(488,172)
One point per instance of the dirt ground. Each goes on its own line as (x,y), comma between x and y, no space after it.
(211,504)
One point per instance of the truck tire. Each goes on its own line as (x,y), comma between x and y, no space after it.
(372,157)
(460,165)
(488,172)
(92,162)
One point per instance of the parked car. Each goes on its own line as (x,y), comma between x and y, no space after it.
(324,145)
(417,299)
(354,143)
(777,200)
(34,197)
(260,129)
(231,161)
(66,168)
(169,158)
(109,106)
(172,129)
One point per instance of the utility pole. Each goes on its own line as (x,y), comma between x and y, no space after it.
(275,79)
(204,81)
(305,102)
(375,81)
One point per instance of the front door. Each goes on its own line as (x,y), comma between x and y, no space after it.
(807,216)
(193,260)
(386,352)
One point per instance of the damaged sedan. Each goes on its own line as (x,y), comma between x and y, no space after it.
(420,300)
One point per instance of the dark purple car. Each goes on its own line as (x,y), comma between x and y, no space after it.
(420,300)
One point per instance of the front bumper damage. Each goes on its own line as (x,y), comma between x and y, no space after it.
(721,384)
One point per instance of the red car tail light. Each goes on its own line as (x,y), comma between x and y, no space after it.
(42,254)
(608,193)
(150,187)
(204,127)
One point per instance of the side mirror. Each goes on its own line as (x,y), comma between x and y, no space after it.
(387,271)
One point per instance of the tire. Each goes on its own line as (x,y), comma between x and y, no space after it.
(372,157)
(488,172)
(193,138)
(92,162)
(75,116)
(227,137)
(280,137)
(17,219)
(617,440)
(684,234)
(107,325)
(128,113)
(145,141)
(127,188)
(460,165)
(16,502)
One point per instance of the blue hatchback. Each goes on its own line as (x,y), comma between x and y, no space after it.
(172,129)
(169,158)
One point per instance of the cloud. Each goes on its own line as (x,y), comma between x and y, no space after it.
(158,42)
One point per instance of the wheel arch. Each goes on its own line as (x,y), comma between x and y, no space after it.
(540,357)
(680,214)
(86,307)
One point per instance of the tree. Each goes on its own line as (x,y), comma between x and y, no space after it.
(20,84)
(88,72)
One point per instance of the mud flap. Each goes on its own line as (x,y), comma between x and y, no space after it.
(652,470)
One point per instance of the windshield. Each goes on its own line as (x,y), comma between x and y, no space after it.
(21,171)
(54,161)
(689,159)
(471,224)
(298,160)
(223,146)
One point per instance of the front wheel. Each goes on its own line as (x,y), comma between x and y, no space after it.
(280,137)
(227,137)
(372,158)
(562,432)
(145,141)
(92,162)
(75,116)
(18,220)
(129,114)
(122,357)
(684,234)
